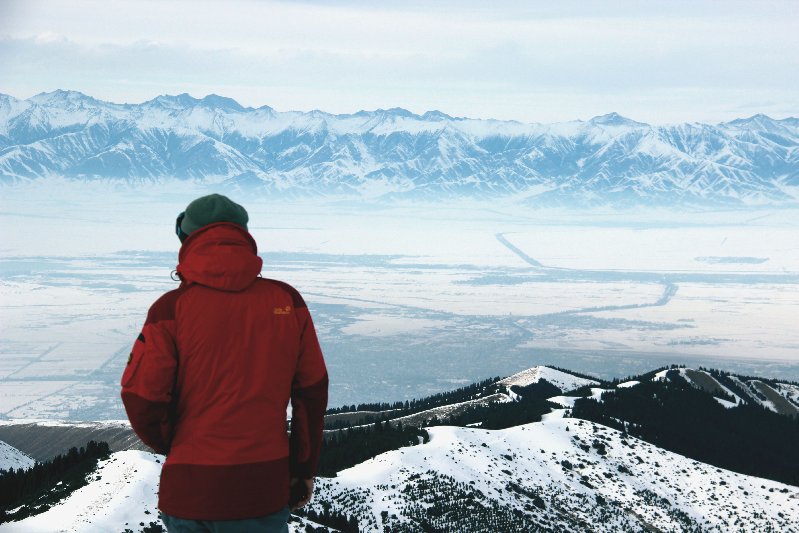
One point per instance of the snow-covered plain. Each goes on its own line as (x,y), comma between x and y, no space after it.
(408,299)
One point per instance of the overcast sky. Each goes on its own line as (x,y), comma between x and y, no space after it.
(658,62)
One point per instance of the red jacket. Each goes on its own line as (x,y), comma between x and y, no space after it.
(210,377)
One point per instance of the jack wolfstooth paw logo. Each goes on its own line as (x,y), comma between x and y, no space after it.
(283,310)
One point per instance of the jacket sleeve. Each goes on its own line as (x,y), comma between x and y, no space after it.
(308,400)
(149,377)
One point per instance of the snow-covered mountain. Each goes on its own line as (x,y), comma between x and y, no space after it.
(393,153)
(560,474)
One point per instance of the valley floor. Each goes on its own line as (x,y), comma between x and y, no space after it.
(408,300)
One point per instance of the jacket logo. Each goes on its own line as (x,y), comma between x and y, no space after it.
(283,310)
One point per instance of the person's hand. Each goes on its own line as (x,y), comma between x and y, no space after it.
(300,491)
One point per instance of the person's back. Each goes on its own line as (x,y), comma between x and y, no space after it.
(212,372)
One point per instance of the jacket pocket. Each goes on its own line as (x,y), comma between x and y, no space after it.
(134,360)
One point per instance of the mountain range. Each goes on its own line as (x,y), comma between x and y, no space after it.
(396,154)
(477,469)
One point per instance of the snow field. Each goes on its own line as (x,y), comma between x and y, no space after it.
(765,246)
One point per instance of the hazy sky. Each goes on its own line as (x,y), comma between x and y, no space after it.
(536,62)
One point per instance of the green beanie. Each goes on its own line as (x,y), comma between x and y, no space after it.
(210,209)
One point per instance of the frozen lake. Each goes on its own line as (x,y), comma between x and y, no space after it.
(408,299)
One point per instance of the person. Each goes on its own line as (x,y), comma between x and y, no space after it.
(210,378)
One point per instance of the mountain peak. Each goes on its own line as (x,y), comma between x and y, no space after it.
(563,380)
(401,111)
(757,120)
(436,115)
(181,100)
(63,98)
(222,102)
(384,113)
(614,119)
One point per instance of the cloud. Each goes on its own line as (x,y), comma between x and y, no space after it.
(516,60)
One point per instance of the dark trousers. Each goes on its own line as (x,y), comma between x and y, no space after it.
(273,523)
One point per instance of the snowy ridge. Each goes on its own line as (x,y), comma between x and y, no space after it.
(122,494)
(702,380)
(12,458)
(394,153)
(782,398)
(445,411)
(562,380)
(557,475)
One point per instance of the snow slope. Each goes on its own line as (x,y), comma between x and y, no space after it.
(11,457)
(561,474)
(122,495)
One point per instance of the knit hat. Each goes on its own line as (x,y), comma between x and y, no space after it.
(210,209)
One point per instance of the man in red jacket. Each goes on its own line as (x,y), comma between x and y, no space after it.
(210,377)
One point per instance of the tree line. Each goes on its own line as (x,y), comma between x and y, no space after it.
(409,407)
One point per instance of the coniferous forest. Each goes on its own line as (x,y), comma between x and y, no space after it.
(680,418)
(346,448)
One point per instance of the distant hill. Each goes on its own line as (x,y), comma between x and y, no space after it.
(396,154)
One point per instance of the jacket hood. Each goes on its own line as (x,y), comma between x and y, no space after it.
(221,256)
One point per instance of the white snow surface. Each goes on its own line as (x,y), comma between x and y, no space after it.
(726,403)
(12,458)
(565,382)
(660,376)
(647,484)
